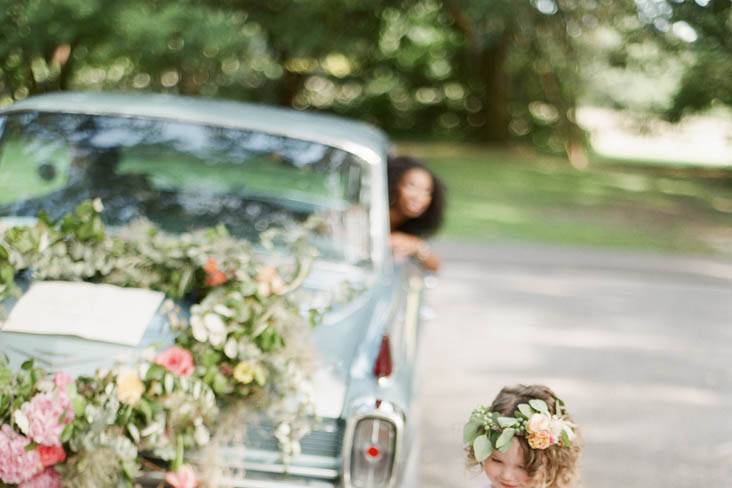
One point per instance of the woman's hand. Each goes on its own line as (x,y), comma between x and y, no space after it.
(406,245)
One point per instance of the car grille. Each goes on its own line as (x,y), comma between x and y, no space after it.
(258,464)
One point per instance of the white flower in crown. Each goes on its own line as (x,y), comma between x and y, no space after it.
(560,425)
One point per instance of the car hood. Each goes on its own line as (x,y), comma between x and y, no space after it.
(336,341)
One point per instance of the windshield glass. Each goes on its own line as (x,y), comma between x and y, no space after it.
(183,177)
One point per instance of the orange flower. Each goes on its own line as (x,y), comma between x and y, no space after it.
(540,440)
(214,276)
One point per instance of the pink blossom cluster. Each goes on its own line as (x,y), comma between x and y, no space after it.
(42,420)
(48,478)
(48,413)
(16,464)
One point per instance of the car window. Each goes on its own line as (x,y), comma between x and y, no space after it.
(185,176)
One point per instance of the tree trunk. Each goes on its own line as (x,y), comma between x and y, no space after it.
(493,92)
(485,70)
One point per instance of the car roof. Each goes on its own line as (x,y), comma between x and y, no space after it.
(353,136)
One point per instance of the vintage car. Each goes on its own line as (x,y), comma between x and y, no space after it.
(186,163)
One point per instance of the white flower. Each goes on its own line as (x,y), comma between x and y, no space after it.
(201,435)
(97,204)
(21,421)
(559,426)
(231,348)
(198,328)
(216,329)
(44,385)
(223,310)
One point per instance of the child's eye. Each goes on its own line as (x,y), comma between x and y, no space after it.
(497,461)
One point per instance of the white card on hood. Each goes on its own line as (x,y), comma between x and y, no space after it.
(93,311)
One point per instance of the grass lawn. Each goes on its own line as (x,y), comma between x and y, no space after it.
(517,194)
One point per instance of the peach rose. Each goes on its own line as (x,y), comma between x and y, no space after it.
(538,423)
(540,440)
(129,387)
(269,281)
(176,360)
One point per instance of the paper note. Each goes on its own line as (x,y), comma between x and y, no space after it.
(97,312)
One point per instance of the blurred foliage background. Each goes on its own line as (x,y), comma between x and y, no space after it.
(482,70)
(449,77)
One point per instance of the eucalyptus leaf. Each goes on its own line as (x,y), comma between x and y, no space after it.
(504,440)
(482,448)
(525,409)
(470,431)
(539,406)
(507,421)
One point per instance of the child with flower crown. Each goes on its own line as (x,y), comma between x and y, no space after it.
(525,439)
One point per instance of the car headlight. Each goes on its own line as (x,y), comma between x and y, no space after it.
(372,445)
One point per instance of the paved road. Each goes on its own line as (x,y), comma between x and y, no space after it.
(639,346)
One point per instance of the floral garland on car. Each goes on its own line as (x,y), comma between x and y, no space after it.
(245,344)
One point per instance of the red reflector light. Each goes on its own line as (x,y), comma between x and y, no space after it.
(373,452)
(383,366)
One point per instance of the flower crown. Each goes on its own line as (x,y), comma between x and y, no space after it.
(487,431)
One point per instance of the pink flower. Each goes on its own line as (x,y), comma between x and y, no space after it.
(51,455)
(185,477)
(48,478)
(16,464)
(44,413)
(176,360)
(62,381)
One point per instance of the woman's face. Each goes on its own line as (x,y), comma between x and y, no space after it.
(507,470)
(414,194)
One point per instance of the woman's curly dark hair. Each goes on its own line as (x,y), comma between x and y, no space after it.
(430,221)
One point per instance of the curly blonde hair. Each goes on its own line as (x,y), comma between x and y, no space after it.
(554,467)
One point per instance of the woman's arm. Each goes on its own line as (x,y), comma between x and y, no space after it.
(426,257)
(407,245)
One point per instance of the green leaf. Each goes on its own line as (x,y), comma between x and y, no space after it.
(482,448)
(525,410)
(144,407)
(539,406)
(507,421)
(67,432)
(504,440)
(179,452)
(79,405)
(155,372)
(470,431)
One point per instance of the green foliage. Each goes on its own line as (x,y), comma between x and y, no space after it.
(482,448)
(486,70)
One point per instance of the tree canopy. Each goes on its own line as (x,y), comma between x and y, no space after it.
(484,70)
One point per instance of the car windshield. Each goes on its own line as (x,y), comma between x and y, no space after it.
(184,176)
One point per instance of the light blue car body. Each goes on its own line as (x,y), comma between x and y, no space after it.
(348,340)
